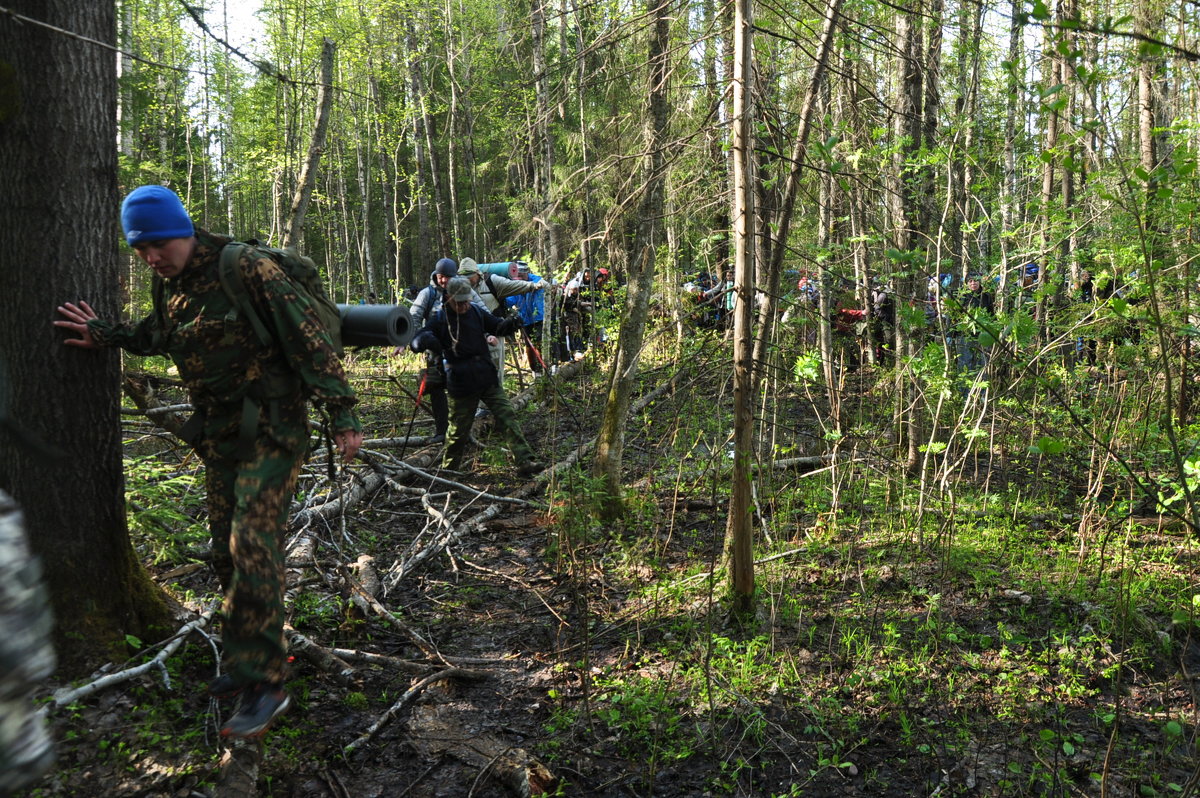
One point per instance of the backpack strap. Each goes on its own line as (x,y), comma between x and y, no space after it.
(158,296)
(487,279)
(234,287)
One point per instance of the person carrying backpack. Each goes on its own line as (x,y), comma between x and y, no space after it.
(532,310)
(460,334)
(494,290)
(251,423)
(433,377)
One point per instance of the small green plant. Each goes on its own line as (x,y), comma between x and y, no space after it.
(165,505)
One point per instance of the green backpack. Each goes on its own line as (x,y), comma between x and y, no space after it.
(302,271)
(304,274)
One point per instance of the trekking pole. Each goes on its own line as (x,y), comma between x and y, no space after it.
(534,349)
(412,419)
(408,393)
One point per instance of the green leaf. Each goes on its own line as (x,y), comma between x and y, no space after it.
(1173,728)
(133,641)
(1068,748)
(1049,446)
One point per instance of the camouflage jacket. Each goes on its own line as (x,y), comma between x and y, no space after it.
(219,358)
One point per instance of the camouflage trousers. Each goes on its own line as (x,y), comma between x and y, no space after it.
(26,655)
(247,510)
(462,418)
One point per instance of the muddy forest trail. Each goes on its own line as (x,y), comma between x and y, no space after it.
(476,634)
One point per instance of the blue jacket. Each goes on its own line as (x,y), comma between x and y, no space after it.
(532,307)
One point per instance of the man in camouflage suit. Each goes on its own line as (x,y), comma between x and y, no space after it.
(251,424)
(26,655)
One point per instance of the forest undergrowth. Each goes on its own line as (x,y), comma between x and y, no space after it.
(1013,620)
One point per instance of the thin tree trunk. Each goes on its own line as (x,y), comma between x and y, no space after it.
(906,133)
(544,143)
(783,221)
(739,530)
(610,444)
(294,233)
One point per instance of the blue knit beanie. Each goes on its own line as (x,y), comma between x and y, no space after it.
(446,266)
(154,213)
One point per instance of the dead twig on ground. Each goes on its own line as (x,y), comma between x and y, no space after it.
(65,696)
(409,695)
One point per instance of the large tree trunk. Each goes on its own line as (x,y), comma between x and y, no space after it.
(739,531)
(60,435)
(610,444)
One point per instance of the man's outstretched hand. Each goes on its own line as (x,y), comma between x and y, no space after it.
(76,319)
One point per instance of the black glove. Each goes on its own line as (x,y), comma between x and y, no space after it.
(509,326)
(426,341)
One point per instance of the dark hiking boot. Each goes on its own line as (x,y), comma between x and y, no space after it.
(437,437)
(261,704)
(225,686)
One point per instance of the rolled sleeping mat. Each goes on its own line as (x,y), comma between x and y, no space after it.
(506,269)
(376,325)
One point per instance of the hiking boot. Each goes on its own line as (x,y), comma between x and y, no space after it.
(437,437)
(530,468)
(261,704)
(225,686)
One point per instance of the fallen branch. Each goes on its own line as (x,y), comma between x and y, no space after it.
(66,696)
(320,657)
(371,658)
(404,700)
(426,647)
(363,486)
(456,485)
(452,534)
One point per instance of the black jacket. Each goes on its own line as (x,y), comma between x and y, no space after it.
(461,338)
